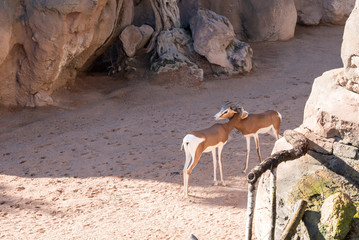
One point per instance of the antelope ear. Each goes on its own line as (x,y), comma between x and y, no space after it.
(244,115)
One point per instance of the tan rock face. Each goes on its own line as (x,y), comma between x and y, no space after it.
(332,111)
(350,52)
(45,43)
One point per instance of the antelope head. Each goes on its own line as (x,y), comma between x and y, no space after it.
(228,110)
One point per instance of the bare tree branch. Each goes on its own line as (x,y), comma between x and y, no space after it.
(300,148)
(297,215)
(167,16)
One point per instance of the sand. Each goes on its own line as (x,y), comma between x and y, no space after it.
(105,163)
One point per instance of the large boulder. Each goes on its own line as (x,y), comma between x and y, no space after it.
(214,38)
(212,33)
(252,20)
(332,111)
(312,12)
(44,44)
(350,52)
(257,20)
(231,9)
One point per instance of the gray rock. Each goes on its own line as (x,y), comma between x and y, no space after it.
(214,38)
(312,12)
(309,11)
(271,20)
(173,47)
(231,9)
(255,20)
(336,11)
(343,150)
(240,55)
(212,34)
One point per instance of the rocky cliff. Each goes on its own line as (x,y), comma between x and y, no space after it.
(45,44)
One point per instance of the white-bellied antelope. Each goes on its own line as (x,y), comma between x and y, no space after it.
(207,140)
(253,124)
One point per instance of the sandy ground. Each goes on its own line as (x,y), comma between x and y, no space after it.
(106,163)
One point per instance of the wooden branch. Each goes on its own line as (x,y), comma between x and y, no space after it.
(297,215)
(250,211)
(170,14)
(273,195)
(300,148)
(158,27)
(167,16)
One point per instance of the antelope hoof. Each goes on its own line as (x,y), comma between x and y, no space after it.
(215,183)
(244,171)
(224,184)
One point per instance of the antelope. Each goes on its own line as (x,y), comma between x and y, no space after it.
(208,140)
(252,124)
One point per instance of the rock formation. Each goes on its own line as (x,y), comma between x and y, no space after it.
(214,38)
(45,44)
(313,12)
(350,52)
(257,21)
(331,123)
(134,38)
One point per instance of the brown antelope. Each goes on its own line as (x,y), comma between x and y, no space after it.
(252,124)
(207,140)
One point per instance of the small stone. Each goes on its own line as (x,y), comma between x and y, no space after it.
(146,32)
(131,37)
